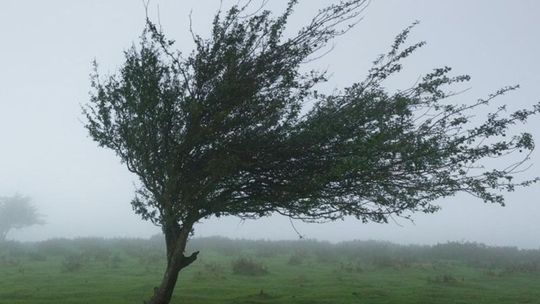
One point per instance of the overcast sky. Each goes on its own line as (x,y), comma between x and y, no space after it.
(45,153)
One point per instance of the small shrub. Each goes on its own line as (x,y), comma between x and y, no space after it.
(443,279)
(211,271)
(246,266)
(350,267)
(522,267)
(230,250)
(37,257)
(115,261)
(73,263)
(297,258)
(214,268)
(102,255)
(325,255)
(493,273)
(390,262)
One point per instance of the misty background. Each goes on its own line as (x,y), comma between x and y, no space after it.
(83,190)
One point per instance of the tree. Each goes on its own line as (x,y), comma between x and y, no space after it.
(236,128)
(16,212)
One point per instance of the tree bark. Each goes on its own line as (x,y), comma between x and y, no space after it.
(176,240)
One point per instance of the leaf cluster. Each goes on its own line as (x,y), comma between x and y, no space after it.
(221,131)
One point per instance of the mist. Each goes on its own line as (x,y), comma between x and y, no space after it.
(84,191)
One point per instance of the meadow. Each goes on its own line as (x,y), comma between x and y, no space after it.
(240,271)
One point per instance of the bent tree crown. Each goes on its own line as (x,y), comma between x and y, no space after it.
(236,128)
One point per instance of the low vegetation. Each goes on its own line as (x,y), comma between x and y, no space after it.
(246,266)
(240,271)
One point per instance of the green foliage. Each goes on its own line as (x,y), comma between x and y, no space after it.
(115,262)
(73,263)
(443,279)
(247,266)
(297,258)
(221,131)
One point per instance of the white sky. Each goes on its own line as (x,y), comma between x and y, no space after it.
(45,59)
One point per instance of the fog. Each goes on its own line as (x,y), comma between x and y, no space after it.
(84,190)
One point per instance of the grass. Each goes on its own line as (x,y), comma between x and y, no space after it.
(125,271)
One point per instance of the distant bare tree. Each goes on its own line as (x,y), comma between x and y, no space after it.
(17,212)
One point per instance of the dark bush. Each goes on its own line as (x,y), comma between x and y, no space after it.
(73,263)
(350,267)
(297,258)
(246,266)
(115,261)
(326,255)
(443,279)
(390,262)
(213,268)
(37,257)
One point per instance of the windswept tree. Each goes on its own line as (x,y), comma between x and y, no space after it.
(236,128)
(17,212)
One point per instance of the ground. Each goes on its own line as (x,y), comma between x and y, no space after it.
(125,271)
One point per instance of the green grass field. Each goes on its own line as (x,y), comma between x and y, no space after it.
(125,271)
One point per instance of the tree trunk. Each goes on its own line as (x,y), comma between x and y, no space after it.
(176,240)
(3,234)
